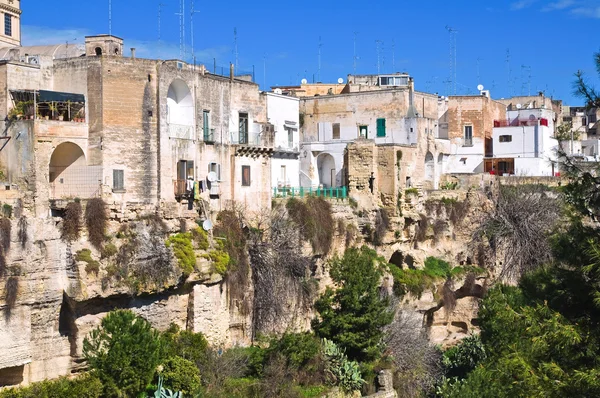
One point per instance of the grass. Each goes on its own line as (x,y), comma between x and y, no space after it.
(92,266)
(411,191)
(108,251)
(200,238)
(416,281)
(220,261)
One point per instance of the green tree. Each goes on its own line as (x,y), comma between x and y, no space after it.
(353,314)
(123,352)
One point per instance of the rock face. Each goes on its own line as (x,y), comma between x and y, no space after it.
(56,295)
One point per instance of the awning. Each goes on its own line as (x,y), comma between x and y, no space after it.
(56,96)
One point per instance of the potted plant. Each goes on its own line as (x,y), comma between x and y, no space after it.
(53,108)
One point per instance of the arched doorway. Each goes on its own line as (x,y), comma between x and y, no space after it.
(65,158)
(327,170)
(68,174)
(180,104)
(429,167)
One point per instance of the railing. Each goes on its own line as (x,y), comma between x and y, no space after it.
(181,132)
(245,138)
(75,182)
(520,122)
(468,142)
(292,192)
(209,136)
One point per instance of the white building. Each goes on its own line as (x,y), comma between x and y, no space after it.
(283,114)
(524,144)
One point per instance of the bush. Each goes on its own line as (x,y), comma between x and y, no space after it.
(109,250)
(95,221)
(183,250)
(301,350)
(71,225)
(181,374)
(92,266)
(344,373)
(7,210)
(86,386)
(123,352)
(461,359)
(185,344)
(200,238)
(220,261)
(5,230)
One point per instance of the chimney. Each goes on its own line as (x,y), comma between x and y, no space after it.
(231,72)
(412,112)
(132,52)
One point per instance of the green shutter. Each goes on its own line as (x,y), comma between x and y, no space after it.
(380,127)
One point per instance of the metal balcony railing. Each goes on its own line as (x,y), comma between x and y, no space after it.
(209,136)
(292,192)
(181,132)
(245,138)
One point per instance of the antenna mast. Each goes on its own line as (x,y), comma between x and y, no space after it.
(160,6)
(319,56)
(235,46)
(181,29)
(393,55)
(110,17)
(355,57)
(478,74)
(509,82)
(378,44)
(528,69)
(452,77)
(192,12)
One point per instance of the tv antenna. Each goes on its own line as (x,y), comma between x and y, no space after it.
(478,74)
(67,47)
(509,71)
(160,6)
(181,15)
(528,69)
(319,59)
(235,47)
(378,46)
(452,77)
(393,55)
(110,17)
(192,12)
(265,71)
(355,58)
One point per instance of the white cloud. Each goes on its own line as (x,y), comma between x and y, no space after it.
(559,5)
(521,4)
(587,12)
(41,36)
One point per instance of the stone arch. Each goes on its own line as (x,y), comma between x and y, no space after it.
(327,170)
(98,51)
(64,159)
(429,167)
(180,104)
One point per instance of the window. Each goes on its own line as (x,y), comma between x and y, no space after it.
(98,51)
(245,176)
(468,136)
(283,175)
(7,25)
(243,125)
(118,180)
(208,136)
(215,168)
(567,119)
(592,118)
(381,127)
(393,81)
(362,131)
(336,131)
(290,137)
(506,138)
(185,169)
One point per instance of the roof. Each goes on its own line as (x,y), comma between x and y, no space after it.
(56,51)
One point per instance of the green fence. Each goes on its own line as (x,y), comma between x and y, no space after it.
(291,192)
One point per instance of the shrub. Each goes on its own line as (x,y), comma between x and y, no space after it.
(5,230)
(95,221)
(71,225)
(185,344)
(123,352)
(92,266)
(300,350)
(7,210)
(411,191)
(181,374)
(86,386)
(353,203)
(108,250)
(22,234)
(200,238)
(220,261)
(345,374)
(183,250)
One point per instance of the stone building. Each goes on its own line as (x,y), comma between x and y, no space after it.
(10,31)
(386,115)
(132,130)
(283,114)
(467,122)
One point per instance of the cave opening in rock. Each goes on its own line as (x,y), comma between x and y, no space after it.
(397,259)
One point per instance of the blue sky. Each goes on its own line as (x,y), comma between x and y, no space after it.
(549,39)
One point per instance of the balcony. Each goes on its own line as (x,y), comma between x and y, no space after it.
(208,136)
(180,188)
(246,138)
(300,192)
(520,122)
(181,132)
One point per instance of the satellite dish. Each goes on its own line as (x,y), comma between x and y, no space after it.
(207,225)
(480,87)
(340,80)
(304,81)
(212,176)
(519,106)
(278,91)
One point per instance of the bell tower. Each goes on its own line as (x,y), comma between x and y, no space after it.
(10,23)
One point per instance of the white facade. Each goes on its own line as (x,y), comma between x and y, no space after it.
(526,146)
(283,113)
